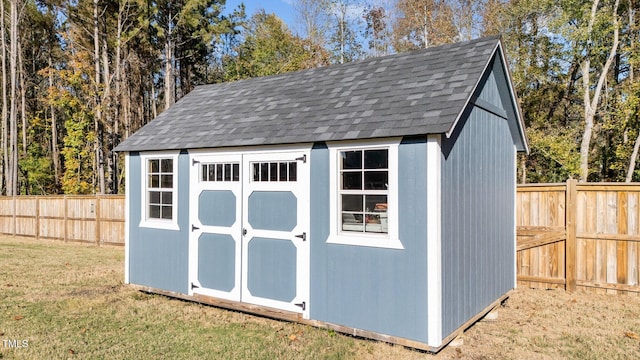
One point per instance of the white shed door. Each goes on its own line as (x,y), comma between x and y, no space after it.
(275,238)
(216,226)
(250,228)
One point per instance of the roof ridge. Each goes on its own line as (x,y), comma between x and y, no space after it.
(367,60)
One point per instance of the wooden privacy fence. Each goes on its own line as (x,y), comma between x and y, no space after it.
(579,235)
(94,219)
(571,235)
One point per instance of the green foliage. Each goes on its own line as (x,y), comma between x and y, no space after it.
(78,155)
(269,48)
(37,166)
(73,101)
(546,41)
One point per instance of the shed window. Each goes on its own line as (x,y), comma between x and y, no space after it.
(159,195)
(364,185)
(364,193)
(160,188)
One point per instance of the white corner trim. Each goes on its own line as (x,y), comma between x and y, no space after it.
(127,219)
(515,216)
(391,240)
(158,223)
(434,241)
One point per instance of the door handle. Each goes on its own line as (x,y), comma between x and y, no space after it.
(302,236)
(244,232)
(194,228)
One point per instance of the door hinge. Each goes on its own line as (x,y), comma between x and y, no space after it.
(302,305)
(303,158)
(302,236)
(194,161)
(194,228)
(194,286)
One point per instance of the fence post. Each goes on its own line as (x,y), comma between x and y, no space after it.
(65,205)
(15,210)
(570,242)
(97,219)
(37,218)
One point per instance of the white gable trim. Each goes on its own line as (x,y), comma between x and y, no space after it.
(512,95)
(514,102)
(471,93)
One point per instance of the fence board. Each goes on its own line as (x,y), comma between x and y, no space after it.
(607,230)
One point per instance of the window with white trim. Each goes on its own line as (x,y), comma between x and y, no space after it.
(159,195)
(160,188)
(364,193)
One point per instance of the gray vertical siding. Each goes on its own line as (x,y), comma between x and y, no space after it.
(477,213)
(159,258)
(380,290)
(491,93)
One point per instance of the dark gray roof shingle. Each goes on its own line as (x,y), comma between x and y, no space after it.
(420,92)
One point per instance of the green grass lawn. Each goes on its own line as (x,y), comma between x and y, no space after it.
(69,301)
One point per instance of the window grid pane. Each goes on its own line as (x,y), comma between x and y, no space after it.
(275,171)
(364,178)
(215,172)
(227,172)
(293,171)
(283,171)
(236,172)
(160,188)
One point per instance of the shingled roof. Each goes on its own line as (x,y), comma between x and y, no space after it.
(421,92)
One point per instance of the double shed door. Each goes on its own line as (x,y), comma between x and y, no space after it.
(249,228)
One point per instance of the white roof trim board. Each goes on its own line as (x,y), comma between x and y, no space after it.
(414,93)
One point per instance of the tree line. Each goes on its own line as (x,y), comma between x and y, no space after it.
(79,76)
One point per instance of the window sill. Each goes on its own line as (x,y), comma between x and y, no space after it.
(364,240)
(159,224)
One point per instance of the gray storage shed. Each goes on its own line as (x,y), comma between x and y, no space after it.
(376,198)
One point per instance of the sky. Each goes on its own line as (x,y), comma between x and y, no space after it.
(282,8)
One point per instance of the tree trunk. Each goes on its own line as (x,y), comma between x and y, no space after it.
(54,130)
(12,187)
(98,163)
(5,125)
(523,167)
(23,101)
(169,80)
(632,161)
(113,168)
(106,120)
(591,103)
(154,107)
